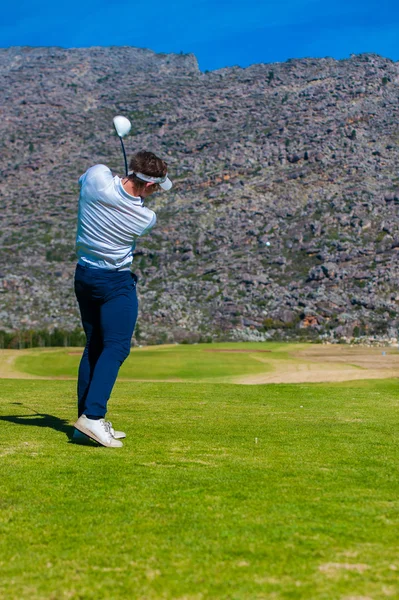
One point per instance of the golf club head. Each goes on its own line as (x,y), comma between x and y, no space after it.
(122,125)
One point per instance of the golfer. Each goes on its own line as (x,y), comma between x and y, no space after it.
(111,216)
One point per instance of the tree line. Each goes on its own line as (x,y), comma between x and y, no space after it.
(31,338)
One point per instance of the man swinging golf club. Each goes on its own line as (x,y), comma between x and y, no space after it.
(111,215)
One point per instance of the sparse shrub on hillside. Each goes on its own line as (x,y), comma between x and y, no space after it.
(60,253)
(257,155)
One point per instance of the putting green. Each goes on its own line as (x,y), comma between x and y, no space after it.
(242,363)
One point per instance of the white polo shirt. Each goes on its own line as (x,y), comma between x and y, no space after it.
(109,220)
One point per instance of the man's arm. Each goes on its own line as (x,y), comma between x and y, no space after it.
(150,225)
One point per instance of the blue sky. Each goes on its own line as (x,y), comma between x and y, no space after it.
(220,32)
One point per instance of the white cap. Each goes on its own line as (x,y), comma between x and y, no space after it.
(164,182)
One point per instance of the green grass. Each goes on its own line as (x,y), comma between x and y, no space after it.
(188,362)
(220,491)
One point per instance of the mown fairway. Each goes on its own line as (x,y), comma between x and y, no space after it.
(244,363)
(221,491)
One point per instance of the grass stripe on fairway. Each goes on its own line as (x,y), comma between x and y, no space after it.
(242,363)
(184,361)
(220,492)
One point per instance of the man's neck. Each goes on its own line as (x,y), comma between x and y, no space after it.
(129,187)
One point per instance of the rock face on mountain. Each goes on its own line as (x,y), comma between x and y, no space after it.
(283,219)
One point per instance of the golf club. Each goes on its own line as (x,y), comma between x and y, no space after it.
(122,127)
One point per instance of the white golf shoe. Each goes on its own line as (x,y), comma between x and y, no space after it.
(118,435)
(98,430)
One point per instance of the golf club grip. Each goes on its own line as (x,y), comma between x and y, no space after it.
(124,155)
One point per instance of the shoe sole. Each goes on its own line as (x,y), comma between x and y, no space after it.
(92,435)
(83,440)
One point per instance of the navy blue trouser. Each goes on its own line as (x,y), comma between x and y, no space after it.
(108,307)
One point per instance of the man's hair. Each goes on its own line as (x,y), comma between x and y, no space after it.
(148,164)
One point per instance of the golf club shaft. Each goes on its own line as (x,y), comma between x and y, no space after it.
(124,155)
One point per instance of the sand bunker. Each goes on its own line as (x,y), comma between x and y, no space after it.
(321,363)
(237,351)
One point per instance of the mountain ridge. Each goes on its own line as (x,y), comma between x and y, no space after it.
(301,155)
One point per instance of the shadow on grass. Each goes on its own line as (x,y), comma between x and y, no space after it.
(45,420)
(40,420)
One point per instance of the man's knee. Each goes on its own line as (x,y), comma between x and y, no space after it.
(125,352)
(120,350)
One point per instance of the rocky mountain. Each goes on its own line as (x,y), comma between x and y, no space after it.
(283,220)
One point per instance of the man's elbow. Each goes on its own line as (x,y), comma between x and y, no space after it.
(153,221)
(150,225)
